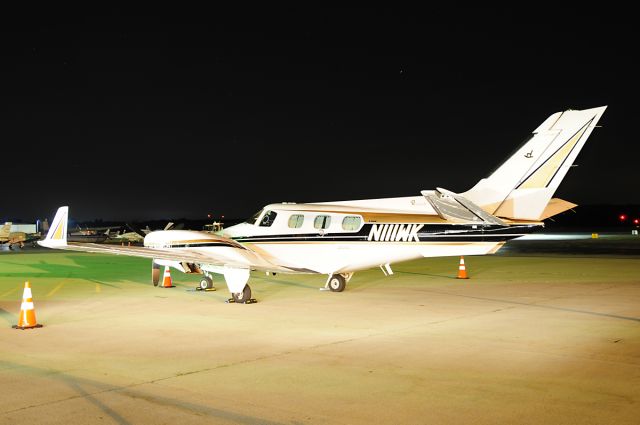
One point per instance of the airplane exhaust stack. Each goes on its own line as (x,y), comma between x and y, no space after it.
(166,279)
(27,318)
(462,270)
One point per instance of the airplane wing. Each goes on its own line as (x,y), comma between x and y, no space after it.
(218,256)
(135,229)
(224,252)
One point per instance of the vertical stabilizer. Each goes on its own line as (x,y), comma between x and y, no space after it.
(57,235)
(5,230)
(524,184)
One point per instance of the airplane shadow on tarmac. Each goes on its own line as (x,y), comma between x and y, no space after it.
(87,267)
(9,317)
(79,385)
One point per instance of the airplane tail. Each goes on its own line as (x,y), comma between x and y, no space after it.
(5,230)
(57,235)
(522,187)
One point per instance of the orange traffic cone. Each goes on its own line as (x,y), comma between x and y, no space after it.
(27,319)
(462,270)
(166,279)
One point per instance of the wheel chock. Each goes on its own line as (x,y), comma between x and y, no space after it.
(206,289)
(249,301)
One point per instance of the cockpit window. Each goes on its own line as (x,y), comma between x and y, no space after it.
(253,218)
(268,218)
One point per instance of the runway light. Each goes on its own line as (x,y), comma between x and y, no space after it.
(623,217)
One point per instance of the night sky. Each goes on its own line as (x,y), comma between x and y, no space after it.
(128,116)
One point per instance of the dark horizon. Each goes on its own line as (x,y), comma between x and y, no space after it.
(127,116)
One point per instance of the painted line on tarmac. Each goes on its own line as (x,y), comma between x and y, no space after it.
(11,291)
(56,289)
(549,307)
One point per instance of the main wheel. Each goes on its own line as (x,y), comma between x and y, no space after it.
(242,297)
(206,283)
(337,283)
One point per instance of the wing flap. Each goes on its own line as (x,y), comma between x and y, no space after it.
(453,207)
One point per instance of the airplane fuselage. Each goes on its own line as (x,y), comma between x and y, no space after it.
(308,238)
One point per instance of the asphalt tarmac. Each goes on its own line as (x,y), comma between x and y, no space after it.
(546,331)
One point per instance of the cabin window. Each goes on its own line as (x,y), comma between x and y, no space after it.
(322,222)
(268,218)
(295,221)
(351,223)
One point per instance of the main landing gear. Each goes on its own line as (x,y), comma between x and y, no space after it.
(337,282)
(243,297)
(206,284)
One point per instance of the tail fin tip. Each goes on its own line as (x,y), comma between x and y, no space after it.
(57,235)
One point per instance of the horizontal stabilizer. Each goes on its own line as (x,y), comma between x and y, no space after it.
(555,207)
(453,207)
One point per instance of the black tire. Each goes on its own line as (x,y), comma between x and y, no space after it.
(155,273)
(337,283)
(206,283)
(242,297)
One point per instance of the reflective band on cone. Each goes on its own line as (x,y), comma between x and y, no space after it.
(27,316)
(462,270)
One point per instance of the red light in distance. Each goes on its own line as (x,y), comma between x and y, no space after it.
(636,221)
(623,217)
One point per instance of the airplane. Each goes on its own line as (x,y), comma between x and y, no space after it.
(137,235)
(125,236)
(88,236)
(337,239)
(11,239)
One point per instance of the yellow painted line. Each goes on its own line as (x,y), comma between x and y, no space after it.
(11,291)
(98,289)
(54,290)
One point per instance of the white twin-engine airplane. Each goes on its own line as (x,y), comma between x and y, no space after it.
(340,238)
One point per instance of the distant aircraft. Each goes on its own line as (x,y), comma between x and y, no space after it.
(339,238)
(94,235)
(11,239)
(125,236)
